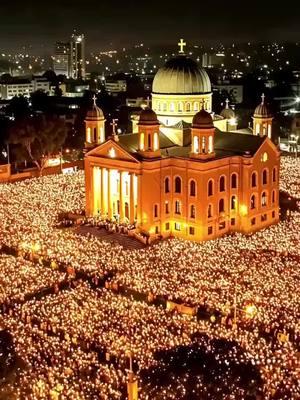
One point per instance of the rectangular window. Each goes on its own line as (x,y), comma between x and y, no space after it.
(222,225)
(253,221)
(210,230)
(263,217)
(167,226)
(156,230)
(177,207)
(232,221)
(177,226)
(155,211)
(273,214)
(192,230)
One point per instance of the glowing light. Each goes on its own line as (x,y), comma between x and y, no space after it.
(112,152)
(250,311)
(243,210)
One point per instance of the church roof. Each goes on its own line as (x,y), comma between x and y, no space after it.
(226,144)
(202,120)
(130,141)
(181,75)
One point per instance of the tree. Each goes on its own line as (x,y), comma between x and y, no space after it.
(39,100)
(18,107)
(41,137)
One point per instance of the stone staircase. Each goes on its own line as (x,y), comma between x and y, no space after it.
(122,239)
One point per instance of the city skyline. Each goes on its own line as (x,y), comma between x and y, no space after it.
(108,24)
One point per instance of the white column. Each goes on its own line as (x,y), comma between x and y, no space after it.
(131,199)
(121,194)
(109,208)
(139,199)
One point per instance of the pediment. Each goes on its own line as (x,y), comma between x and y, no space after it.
(111,150)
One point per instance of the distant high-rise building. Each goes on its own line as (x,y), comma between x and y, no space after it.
(62,59)
(77,47)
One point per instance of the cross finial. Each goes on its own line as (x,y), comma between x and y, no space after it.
(114,125)
(181,45)
(227,103)
(148,101)
(263,98)
(94,99)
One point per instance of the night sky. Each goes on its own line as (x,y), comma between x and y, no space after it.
(155,22)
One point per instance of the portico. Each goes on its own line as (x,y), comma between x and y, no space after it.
(114,194)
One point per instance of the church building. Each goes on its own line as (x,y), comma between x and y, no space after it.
(183,171)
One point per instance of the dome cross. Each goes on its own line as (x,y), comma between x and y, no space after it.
(181,45)
(114,125)
(263,98)
(94,98)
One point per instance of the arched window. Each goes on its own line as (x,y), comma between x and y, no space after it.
(221,206)
(273,196)
(177,184)
(177,207)
(264,199)
(203,144)
(180,106)
(159,107)
(253,202)
(155,211)
(233,203)
(210,189)
(210,144)
(222,184)
(192,188)
(196,144)
(193,212)
(254,179)
(234,181)
(209,211)
(155,141)
(167,209)
(196,106)
(167,185)
(95,134)
(142,137)
(89,139)
(265,177)
(164,106)
(188,107)
(274,174)
(172,107)
(149,141)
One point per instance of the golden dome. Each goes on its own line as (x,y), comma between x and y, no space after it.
(262,110)
(181,75)
(95,113)
(227,112)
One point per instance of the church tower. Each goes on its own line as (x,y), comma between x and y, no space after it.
(94,126)
(228,114)
(148,131)
(262,120)
(202,136)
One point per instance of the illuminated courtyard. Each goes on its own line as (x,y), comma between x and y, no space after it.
(77,306)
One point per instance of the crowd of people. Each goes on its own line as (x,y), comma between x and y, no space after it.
(74,342)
